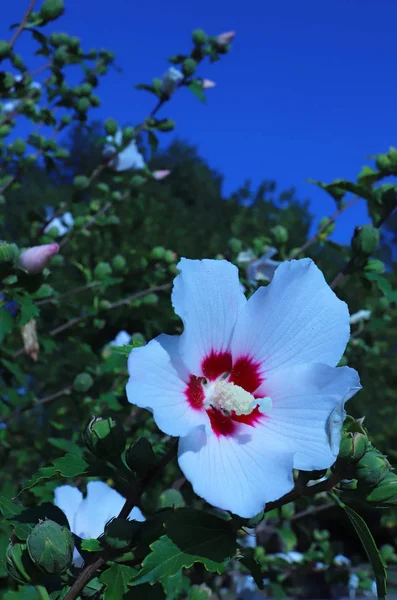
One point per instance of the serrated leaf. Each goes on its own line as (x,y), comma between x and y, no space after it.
(29,310)
(91,545)
(116,580)
(66,445)
(203,538)
(9,508)
(196,89)
(70,465)
(369,546)
(127,349)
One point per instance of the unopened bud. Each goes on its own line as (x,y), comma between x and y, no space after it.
(385,494)
(280,234)
(161,174)
(171,80)
(224,39)
(372,468)
(353,447)
(105,437)
(365,240)
(189,66)
(19,564)
(37,258)
(207,84)
(199,37)
(83,382)
(50,547)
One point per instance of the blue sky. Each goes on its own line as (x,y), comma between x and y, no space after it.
(308,90)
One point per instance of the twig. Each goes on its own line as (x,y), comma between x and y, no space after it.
(129,504)
(54,300)
(46,400)
(23,22)
(300,491)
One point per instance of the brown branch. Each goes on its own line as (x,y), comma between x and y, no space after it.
(46,400)
(300,491)
(129,504)
(23,22)
(54,300)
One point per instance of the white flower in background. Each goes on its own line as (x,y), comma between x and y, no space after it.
(289,557)
(246,256)
(171,80)
(88,516)
(62,224)
(361,315)
(264,268)
(129,158)
(245,583)
(340,560)
(352,585)
(374,589)
(251,386)
(319,566)
(122,339)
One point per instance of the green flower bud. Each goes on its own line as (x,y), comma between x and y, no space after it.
(119,263)
(51,10)
(372,468)
(150,299)
(83,382)
(66,119)
(235,245)
(105,437)
(95,100)
(50,547)
(81,182)
(8,253)
(157,253)
(189,67)
(61,56)
(128,134)
(365,240)
(86,89)
(19,564)
(382,304)
(165,125)
(352,447)
(102,270)
(5,49)
(83,105)
(137,181)
(375,266)
(119,534)
(384,494)
(280,234)
(111,127)
(4,130)
(383,163)
(199,37)
(170,256)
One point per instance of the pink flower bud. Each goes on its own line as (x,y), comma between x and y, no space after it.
(207,84)
(35,259)
(223,39)
(161,174)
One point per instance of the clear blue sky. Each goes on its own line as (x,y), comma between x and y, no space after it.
(308,91)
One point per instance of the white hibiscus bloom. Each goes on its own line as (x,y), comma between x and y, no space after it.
(88,516)
(62,224)
(122,339)
(251,386)
(340,561)
(129,158)
(361,315)
(171,79)
(263,268)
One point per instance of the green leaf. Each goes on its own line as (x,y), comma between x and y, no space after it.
(368,176)
(203,538)
(196,89)
(28,592)
(116,579)
(9,508)
(66,445)
(247,559)
(126,349)
(29,310)
(384,286)
(70,465)
(91,545)
(171,499)
(6,323)
(369,546)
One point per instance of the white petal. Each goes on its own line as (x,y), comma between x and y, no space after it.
(208,298)
(136,515)
(307,412)
(296,319)
(100,505)
(237,473)
(68,499)
(158,381)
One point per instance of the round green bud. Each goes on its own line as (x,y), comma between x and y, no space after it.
(50,547)
(235,245)
(375,266)
(189,67)
(86,89)
(8,253)
(119,534)
(4,130)
(385,493)
(352,447)
(5,49)
(119,263)
(111,127)
(128,134)
(150,299)
(199,37)
(83,105)
(105,437)
(66,119)
(137,181)
(365,240)
(95,100)
(372,468)
(81,182)
(280,234)
(51,10)
(83,382)
(138,338)
(383,163)
(157,253)
(382,304)
(116,195)
(61,56)
(19,564)
(170,256)
(102,270)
